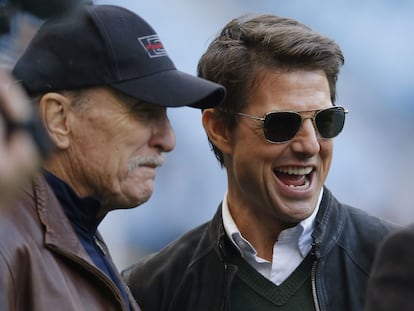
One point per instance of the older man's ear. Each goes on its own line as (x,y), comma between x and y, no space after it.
(54,113)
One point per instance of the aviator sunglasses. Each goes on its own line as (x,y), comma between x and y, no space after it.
(282,126)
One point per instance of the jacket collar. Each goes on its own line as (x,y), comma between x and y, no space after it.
(217,234)
(58,231)
(329,224)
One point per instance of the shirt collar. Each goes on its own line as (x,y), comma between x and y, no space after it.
(301,234)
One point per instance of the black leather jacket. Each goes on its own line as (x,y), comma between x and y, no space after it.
(192,273)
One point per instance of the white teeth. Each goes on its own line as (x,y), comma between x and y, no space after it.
(295,170)
(304,186)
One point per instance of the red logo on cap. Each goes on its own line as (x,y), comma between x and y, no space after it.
(153,45)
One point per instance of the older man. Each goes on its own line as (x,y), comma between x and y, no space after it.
(101,80)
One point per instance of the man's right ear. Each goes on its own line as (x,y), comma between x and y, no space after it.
(216,130)
(53,109)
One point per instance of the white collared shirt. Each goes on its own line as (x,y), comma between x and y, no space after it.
(290,249)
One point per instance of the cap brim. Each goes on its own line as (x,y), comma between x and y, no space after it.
(174,88)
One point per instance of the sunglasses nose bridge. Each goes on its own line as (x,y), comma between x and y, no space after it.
(306,117)
(312,118)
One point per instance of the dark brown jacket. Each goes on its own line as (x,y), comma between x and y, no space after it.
(43,265)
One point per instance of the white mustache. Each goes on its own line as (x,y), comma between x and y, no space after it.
(154,160)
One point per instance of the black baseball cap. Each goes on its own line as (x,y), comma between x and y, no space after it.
(109,45)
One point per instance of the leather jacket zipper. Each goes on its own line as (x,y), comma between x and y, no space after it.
(313,279)
(229,271)
(314,292)
(224,301)
(99,245)
(225,265)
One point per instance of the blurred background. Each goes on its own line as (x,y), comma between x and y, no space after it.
(373,156)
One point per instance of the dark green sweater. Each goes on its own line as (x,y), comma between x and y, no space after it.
(252,291)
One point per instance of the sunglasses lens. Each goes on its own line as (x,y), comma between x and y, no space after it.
(330,122)
(281,126)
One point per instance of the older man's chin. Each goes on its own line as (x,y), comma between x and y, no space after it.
(133,203)
(125,203)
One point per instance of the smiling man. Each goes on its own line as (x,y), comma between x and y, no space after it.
(279,240)
(102,82)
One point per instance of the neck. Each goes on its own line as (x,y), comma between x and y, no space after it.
(60,166)
(261,233)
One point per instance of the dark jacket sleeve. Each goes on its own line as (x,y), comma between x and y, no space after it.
(5,285)
(391,284)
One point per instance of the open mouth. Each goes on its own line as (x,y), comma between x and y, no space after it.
(297,178)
